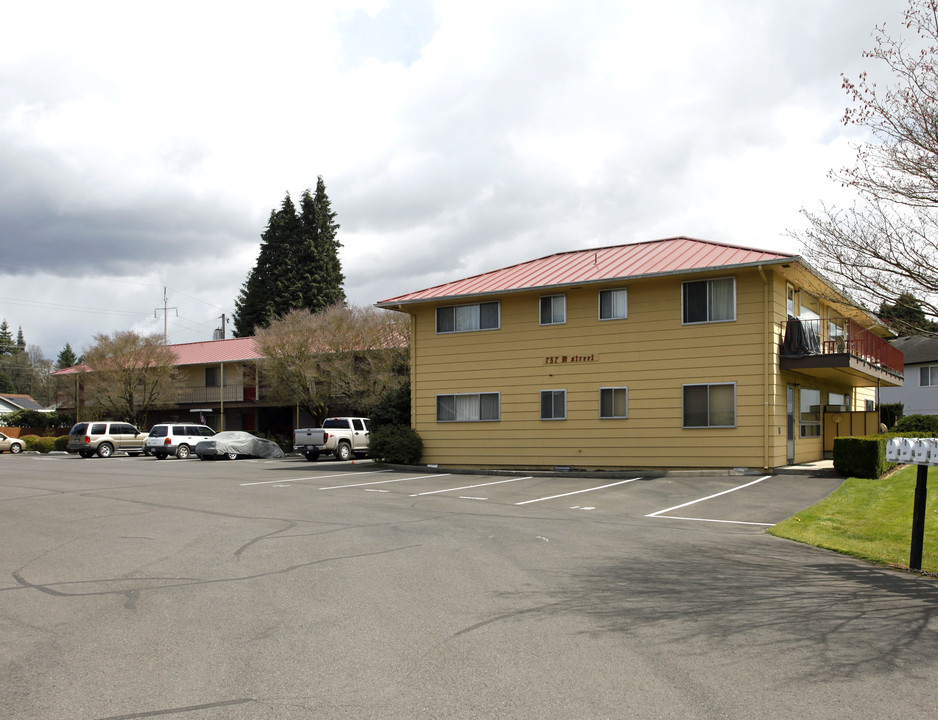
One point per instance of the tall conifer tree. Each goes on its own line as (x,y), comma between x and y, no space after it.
(298,265)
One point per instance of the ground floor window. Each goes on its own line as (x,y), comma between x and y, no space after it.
(810,412)
(467,407)
(711,405)
(553,404)
(614,402)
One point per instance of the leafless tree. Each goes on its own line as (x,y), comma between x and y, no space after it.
(886,244)
(129,375)
(344,354)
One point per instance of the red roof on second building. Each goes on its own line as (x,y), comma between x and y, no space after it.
(657,257)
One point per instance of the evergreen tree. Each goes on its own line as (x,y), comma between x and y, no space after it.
(6,339)
(907,316)
(326,246)
(297,267)
(20,341)
(6,383)
(67,358)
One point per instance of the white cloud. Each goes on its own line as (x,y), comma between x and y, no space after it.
(143,146)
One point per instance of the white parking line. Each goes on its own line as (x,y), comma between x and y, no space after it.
(380,482)
(312,477)
(577,492)
(468,487)
(661,513)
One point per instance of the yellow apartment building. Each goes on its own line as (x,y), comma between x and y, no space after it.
(676,353)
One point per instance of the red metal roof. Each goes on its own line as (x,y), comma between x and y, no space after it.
(657,257)
(216,351)
(200,353)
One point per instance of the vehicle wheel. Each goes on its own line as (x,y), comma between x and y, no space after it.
(159,456)
(182,452)
(343,452)
(203,457)
(15,448)
(312,455)
(105,450)
(232,456)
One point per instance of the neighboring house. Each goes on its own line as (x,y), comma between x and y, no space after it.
(919,394)
(11,402)
(218,384)
(677,353)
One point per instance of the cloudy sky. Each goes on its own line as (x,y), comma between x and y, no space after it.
(143,146)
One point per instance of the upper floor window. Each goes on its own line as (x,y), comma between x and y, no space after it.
(467,407)
(706,301)
(710,405)
(212,377)
(465,318)
(928,375)
(553,309)
(613,304)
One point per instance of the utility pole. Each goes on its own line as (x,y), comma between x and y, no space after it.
(220,334)
(165,310)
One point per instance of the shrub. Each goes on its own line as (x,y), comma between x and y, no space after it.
(61,443)
(31,441)
(393,408)
(916,423)
(890,413)
(862,457)
(45,444)
(397,444)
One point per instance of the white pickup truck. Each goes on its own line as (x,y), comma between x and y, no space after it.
(339,436)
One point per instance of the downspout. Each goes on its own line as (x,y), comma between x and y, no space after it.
(767,358)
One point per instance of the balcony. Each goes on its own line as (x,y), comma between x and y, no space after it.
(202,395)
(841,351)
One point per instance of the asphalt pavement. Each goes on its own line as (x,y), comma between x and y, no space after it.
(136,588)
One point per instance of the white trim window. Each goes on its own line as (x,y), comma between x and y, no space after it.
(613,402)
(810,412)
(468,407)
(613,304)
(468,318)
(928,376)
(709,405)
(708,301)
(553,404)
(553,309)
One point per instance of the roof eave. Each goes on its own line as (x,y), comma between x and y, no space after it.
(399,304)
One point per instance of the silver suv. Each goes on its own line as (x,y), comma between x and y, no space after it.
(175,439)
(104,438)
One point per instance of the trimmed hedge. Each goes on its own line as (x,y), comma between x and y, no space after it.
(397,444)
(865,457)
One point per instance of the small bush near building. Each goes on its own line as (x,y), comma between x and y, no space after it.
(396,444)
(916,423)
(890,413)
(862,457)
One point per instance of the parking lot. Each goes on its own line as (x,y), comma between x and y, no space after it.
(136,588)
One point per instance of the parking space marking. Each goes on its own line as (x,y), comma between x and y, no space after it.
(661,513)
(577,492)
(469,487)
(380,482)
(311,477)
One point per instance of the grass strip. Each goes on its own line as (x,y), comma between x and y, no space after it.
(870,519)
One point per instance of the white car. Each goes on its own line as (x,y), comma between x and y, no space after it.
(177,439)
(14,445)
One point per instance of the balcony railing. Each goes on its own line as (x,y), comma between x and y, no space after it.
(232,393)
(804,338)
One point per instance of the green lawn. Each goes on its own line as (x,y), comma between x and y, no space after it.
(870,519)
